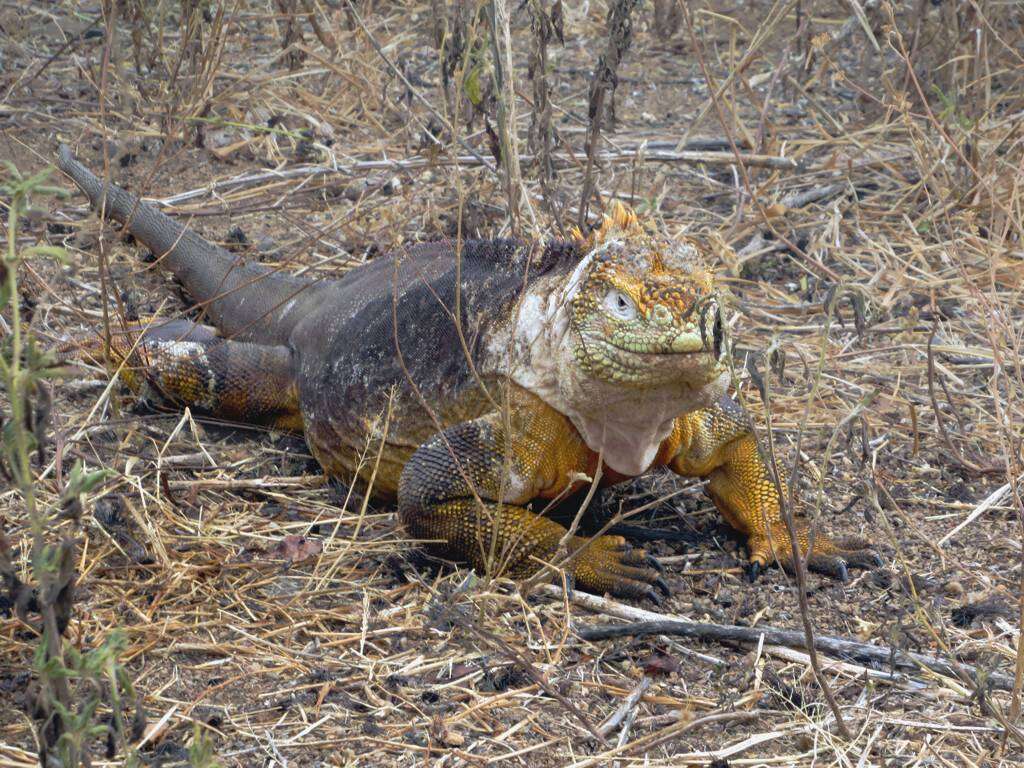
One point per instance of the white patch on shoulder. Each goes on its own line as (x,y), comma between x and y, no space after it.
(182,349)
(572,285)
(625,426)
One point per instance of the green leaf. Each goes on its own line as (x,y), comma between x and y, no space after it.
(472,86)
(53,251)
(80,481)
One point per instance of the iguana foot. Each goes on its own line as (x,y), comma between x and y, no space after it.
(609,564)
(831,557)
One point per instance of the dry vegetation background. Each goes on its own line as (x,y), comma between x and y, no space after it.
(863,193)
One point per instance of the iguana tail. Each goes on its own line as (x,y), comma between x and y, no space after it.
(245,301)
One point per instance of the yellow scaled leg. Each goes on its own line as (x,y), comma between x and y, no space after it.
(718,443)
(465,491)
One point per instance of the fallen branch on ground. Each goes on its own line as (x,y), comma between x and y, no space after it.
(836,646)
(645,622)
(561,159)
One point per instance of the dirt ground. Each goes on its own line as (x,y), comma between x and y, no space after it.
(318,140)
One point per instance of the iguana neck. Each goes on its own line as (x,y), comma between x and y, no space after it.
(624,424)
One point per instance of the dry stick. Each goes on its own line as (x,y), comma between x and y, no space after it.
(564,160)
(452,102)
(882,655)
(954,452)
(994,194)
(532,673)
(562,557)
(431,413)
(785,508)
(835,665)
(72,40)
(799,562)
(415,94)
(839,647)
(775,15)
(627,726)
(109,10)
(627,706)
(620,28)
(541,134)
(501,39)
(965,672)
(763,119)
(1013,471)
(674,731)
(1009,441)
(994,498)
(819,269)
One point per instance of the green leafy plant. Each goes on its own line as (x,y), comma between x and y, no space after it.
(201,752)
(71,685)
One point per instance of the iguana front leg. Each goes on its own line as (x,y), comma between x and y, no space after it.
(466,489)
(718,443)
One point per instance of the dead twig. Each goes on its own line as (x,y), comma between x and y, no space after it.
(839,647)
(603,82)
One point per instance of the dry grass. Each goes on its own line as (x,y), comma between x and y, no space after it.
(905,202)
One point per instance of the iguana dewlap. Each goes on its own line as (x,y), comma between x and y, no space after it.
(472,381)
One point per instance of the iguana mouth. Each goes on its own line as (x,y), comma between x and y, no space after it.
(660,352)
(652,367)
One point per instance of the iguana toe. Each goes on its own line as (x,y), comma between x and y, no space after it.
(830,557)
(663,587)
(652,561)
(829,565)
(866,559)
(855,552)
(608,565)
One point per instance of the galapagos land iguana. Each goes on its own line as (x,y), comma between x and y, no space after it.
(471,382)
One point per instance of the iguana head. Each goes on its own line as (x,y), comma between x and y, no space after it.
(642,308)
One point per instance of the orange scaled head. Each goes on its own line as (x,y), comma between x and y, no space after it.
(643,307)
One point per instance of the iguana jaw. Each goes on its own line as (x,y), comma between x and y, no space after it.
(652,356)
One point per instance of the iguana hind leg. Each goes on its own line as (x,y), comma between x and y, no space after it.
(465,492)
(177,363)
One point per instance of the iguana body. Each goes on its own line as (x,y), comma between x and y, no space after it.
(470,382)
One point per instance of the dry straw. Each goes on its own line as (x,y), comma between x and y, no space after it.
(857,167)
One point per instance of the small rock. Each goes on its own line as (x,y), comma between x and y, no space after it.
(953,588)
(266,244)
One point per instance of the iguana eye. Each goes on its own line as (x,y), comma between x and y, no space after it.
(620,305)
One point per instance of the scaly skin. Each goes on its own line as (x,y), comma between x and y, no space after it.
(605,350)
(178,363)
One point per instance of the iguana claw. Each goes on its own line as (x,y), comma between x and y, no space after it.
(653,562)
(830,557)
(660,584)
(753,571)
(610,565)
